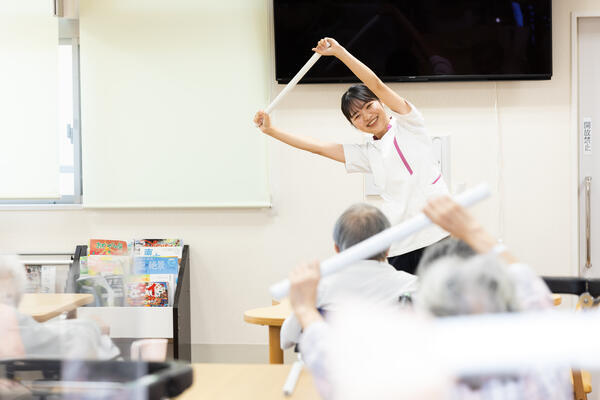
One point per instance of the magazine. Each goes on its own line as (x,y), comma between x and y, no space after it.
(33,281)
(117,285)
(107,247)
(83,269)
(133,297)
(100,287)
(48,279)
(148,294)
(158,243)
(158,252)
(155,265)
(97,264)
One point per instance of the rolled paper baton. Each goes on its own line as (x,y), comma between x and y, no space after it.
(315,57)
(292,378)
(381,241)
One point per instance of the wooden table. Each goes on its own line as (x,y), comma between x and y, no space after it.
(246,381)
(272,316)
(44,306)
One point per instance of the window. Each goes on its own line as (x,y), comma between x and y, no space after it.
(68,109)
(68,121)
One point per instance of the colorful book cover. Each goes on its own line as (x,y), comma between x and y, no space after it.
(48,279)
(157,294)
(118,291)
(33,283)
(158,243)
(136,294)
(170,280)
(149,294)
(108,265)
(107,247)
(155,265)
(158,252)
(83,268)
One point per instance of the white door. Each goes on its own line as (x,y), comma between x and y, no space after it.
(589,147)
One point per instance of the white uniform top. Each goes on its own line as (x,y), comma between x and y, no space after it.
(374,281)
(404,168)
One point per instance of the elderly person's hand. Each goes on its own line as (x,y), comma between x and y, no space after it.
(304,280)
(454,218)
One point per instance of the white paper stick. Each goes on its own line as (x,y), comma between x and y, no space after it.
(513,342)
(292,378)
(367,352)
(315,57)
(381,241)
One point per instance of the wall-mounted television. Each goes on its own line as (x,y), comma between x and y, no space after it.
(417,40)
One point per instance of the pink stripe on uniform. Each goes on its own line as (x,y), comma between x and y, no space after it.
(437,179)
(402,157)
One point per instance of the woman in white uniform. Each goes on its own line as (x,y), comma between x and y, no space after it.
(398,153)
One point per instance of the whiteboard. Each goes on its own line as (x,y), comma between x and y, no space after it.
(168,92)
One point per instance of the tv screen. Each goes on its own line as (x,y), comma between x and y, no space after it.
(417,40)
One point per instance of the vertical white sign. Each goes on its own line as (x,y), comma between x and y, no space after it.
(587,136)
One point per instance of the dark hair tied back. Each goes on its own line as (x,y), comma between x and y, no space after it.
(354,99)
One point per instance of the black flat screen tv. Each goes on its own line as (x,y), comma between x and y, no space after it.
(417,40)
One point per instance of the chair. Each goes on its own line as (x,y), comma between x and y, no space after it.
(149,350)
(588,291)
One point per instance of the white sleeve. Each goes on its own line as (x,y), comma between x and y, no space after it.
(411,283)
(290,332)
(413,121)
(71,338)
(531,291)
(356,157)
(313,345)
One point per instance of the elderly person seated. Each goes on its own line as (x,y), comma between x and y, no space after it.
(76,338)
(374,279)
(450,284)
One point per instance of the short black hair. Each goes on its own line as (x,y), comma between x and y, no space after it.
(354,98)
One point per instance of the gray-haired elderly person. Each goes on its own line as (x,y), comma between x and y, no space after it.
(463,276)
(452,282)
(76,338)
(373,280)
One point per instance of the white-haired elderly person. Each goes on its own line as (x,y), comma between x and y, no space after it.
(76,338)
(492,281)
(374,279)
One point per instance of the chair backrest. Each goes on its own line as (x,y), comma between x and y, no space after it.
(572,285)
(586,289)
(149,350)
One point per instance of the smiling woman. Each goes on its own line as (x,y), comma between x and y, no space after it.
(365,111)
(398,152)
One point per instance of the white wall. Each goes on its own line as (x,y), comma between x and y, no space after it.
(235,255)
